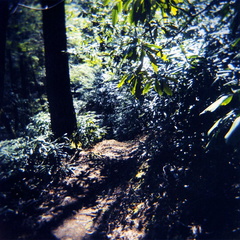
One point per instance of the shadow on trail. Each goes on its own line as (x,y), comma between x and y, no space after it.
(98,182)
(85,192)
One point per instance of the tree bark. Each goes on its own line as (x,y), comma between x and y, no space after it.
(63,119)
(4,14)
(23,76)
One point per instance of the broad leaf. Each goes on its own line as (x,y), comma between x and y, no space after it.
(152,46)
(137,87)
(166,89)
(147,88)
(227,100)
(235,43)
(162,56)
(158,88)
(215,105)
(114,16)
(152,58)
(120,6)
(155,67)
(106,2)
(126,5)
(173,11)
(214,126)
(120,84)
(171,79)
(177,1)
(233,135)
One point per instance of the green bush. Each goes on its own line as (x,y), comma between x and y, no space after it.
(89,130)
(39,125)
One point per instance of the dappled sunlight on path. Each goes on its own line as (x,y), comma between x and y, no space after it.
(102,173)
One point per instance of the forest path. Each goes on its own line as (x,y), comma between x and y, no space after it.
(99,180)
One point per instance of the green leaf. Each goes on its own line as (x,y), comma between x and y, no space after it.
(152,46)
(158,88)
(215,105)
(162,56)
(125,78)
(130,16)
(133,16)
(120,6)
(171,79)
(106,2)
(131,53)
(147,88)
(130,78)
(155,67)
(192,56)
(126,5)
(215,125)
(120,84)
(133,90)
(177,1)
(227,101)
(173,11)
(152,58)
(235,43)
(166,89)
(114,16)
(233,135)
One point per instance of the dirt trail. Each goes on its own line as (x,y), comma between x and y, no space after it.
(82,225)
(101,173)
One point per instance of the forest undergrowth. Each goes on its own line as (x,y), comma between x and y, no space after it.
(155,152)
(153,177)
(121,190)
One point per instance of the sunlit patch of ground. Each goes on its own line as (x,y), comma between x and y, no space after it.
(93,177)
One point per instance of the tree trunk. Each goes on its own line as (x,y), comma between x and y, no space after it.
(4,14)
(12,71)
(63,119)
(23,76)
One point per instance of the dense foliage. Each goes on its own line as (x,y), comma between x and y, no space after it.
(165,69)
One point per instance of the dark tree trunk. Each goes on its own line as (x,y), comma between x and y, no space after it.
(4,14)
(23,76)
(63,119)
(12,71)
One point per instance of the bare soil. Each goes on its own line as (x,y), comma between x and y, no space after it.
(90,202)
